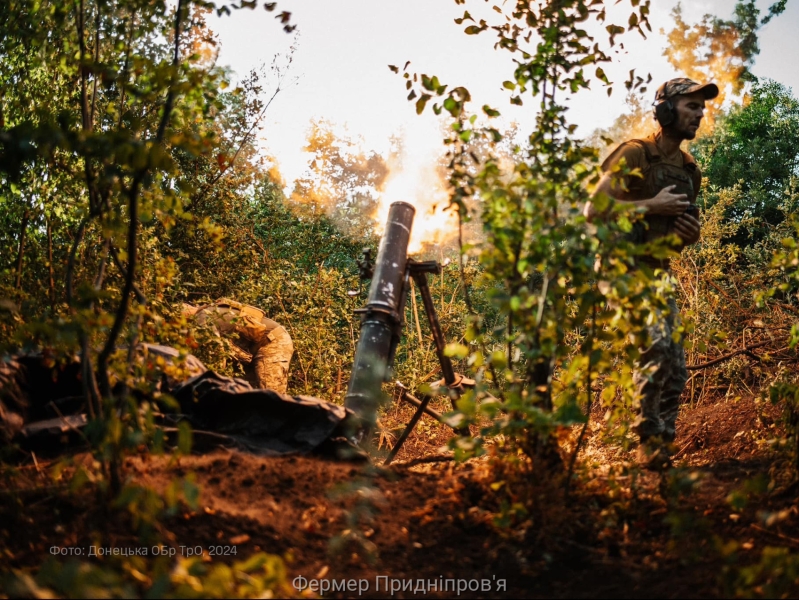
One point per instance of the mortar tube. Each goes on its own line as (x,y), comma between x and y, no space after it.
(381,318)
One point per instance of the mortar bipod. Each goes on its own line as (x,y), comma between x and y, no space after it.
(452,382)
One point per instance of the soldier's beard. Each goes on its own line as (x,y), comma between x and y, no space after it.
(679,133)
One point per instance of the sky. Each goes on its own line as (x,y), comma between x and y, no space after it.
(339,70)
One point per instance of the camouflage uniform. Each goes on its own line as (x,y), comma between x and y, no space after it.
(660,378)
(262,345)
(660,374)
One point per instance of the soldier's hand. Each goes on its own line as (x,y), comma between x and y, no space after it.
(667,203)
(687,227)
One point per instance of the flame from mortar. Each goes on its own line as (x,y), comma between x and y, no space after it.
(415,177)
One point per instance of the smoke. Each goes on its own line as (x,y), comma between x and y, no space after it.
(416,176)
(342,182)
(355,187)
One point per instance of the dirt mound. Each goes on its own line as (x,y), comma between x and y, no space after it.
(626,535)
(729,429)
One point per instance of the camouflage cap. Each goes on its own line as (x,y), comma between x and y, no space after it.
(682,85)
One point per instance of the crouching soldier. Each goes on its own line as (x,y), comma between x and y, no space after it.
(261,345)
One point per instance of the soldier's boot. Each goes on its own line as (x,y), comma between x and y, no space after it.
(654,454)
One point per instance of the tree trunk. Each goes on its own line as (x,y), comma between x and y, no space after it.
(51,283)
(22,234)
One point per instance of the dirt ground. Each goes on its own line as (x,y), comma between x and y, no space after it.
(620,533)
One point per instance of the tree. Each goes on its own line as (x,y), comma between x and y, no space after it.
(342,181)
(99,101)
(714,49)
(217,232)
(720,50)
(556,334)
(755,146)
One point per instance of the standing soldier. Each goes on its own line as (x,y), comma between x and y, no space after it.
(262,345)
(667,192)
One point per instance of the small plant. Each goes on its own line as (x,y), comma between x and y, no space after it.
(569,307)
(260,576)
(363,499)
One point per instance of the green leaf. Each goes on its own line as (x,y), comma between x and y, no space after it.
(421,102)
(79,479)
(498,359)
(458,351)
(184,437)
(476,359)
(466,17)
(191,493)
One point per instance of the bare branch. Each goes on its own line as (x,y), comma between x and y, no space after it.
(51,283)
(23,230)
(136,290)
(71,260)
(133,215)
(124,303)
(223,170)
(721,359)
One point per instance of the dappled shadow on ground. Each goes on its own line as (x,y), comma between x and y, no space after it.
(621,533)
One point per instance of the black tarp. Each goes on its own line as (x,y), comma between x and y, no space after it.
(263,420)
(42,403)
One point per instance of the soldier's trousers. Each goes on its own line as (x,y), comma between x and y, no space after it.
(271,361)
(660,378)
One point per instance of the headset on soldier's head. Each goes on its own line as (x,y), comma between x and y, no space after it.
(665,111)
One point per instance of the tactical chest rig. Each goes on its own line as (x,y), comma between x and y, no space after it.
(658,174)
